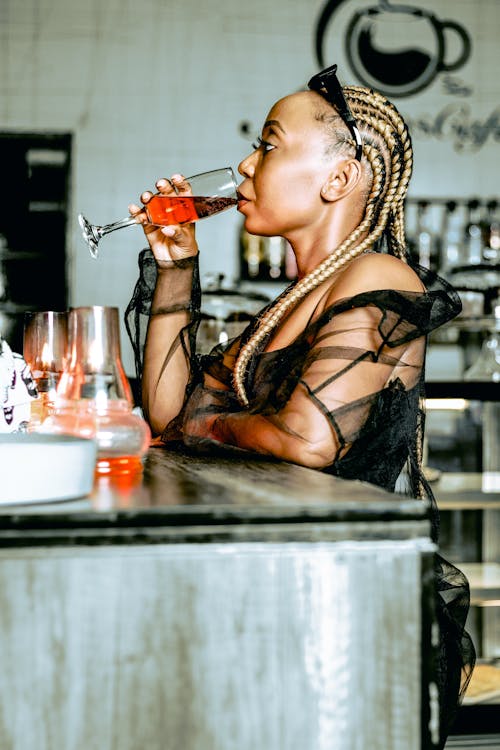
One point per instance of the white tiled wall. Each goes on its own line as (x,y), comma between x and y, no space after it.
(152,87)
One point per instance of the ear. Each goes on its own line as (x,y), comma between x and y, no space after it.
(342,180)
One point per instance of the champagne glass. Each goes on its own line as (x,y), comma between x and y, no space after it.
(213,192)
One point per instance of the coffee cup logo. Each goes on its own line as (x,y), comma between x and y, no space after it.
(398,49)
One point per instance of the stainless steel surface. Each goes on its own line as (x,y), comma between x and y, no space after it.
(212,647)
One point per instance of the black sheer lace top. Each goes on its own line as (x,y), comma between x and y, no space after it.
(361,365)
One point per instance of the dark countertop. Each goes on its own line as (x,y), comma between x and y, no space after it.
(183,496)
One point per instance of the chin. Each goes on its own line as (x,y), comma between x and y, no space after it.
(259,228)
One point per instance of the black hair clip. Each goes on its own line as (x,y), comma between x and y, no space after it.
(328,85)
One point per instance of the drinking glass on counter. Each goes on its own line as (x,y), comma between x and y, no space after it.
(487,369)
(94,398)
(45,341)
(213,192)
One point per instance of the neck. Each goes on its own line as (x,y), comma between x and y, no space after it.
(309,255)
(312,244)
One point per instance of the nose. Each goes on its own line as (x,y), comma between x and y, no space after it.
(246,167)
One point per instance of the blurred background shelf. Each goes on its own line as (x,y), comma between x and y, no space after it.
(478,391)
(484,582)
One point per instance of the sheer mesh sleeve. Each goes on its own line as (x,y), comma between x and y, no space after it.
(359,349)
(167,295)
(184,294)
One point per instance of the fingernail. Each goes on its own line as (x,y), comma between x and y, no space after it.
(176,178)
(168,231)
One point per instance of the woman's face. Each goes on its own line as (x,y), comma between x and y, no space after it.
(281,192)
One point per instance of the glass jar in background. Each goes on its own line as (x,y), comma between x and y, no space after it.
(93,397)
(225,312)
(487,365)
(427,242)
(487,369)
(452,232)
(473,234)
(265,258)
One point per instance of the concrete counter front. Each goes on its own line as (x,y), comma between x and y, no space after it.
(218,604)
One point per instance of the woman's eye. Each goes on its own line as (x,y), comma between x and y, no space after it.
(264,145)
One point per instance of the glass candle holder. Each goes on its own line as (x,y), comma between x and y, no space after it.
(45,343)
(94,398)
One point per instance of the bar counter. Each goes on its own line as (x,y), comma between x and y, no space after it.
(218,603)
(182,494)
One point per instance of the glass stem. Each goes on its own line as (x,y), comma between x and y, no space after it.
(127,222)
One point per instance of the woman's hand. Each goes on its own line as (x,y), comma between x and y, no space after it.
(174,242)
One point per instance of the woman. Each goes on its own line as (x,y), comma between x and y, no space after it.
(329,375)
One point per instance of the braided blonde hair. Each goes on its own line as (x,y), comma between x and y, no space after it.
(387,148)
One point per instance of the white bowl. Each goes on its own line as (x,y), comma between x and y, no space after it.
(41,468)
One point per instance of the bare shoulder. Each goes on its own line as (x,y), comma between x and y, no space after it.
(375,271)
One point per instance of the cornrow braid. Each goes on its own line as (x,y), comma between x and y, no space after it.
(378,105)
(387,149)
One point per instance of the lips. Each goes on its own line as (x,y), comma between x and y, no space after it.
(242,200)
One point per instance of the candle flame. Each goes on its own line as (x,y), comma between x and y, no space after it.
(46,356)
(96,354)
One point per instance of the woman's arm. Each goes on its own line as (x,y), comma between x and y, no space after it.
(274,436)
(170,338)
(167,360)
(348,364)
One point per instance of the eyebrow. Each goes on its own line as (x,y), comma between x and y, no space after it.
(270,123)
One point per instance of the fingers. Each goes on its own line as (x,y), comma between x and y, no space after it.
(164,187)
(146,196)
(138,213)
(133,209)
(176,185)
(176,234)
(181,184)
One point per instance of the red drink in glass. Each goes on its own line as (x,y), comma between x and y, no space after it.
(164,210)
